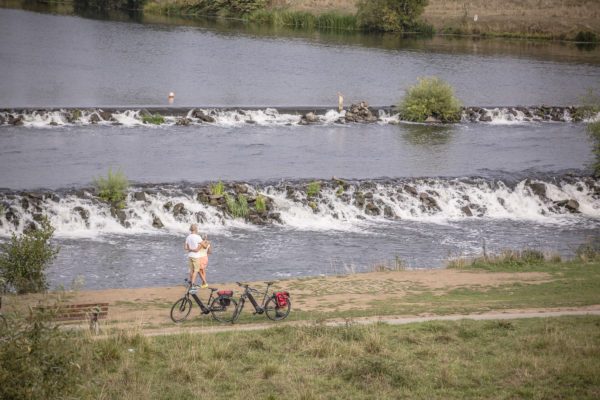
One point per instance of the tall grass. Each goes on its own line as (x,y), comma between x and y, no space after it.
(304,20)
(217,189)
(545,358)
(313,188)
(507,259)
(238,208)
(260,204)
(113,188)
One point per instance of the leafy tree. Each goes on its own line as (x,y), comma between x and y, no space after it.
(430,97)
(390,15)
(24,259)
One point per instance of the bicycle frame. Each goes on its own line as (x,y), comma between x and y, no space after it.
(203,307)
(259,309)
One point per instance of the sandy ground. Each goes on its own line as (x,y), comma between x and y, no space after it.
(148,308)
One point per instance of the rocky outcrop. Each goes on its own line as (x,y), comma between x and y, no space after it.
(360,113)
(309,118)
(202,116)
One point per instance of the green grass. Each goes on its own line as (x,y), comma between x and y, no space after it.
(113,188)
(217,189)
(305,20)
(535,358)
(260,204)
(155,119)
(237,208)
(313,188)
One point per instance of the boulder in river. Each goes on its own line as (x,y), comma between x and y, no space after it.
(360,113)
(202,116)
(139,196)
(157,223)
(537,188)
(467,211)
(570,205)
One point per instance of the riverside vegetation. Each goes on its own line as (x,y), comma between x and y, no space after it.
(534,358)
(431,98)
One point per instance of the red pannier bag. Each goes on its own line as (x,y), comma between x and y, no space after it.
(282,298)
(225,297)
(225,293)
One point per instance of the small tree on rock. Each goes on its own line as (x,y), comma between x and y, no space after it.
(430,97)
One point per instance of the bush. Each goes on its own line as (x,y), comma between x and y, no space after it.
(590,251)
(431,97)
(24,259)
(113,188)
(38,360)
(390,15)
(313,188)
(586,37)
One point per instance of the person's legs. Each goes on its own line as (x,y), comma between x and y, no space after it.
(203,265)
(194,267)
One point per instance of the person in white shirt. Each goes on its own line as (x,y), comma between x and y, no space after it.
(197,255)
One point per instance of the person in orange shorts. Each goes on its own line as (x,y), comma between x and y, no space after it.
(197,255)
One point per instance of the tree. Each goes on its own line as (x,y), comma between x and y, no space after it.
(389,15)
(24,259)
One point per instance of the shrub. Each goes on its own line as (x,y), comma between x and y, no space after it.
(260,204)
(112,188)
(390,15)
(590,251)
(237,208)
(507,259)
(431,97)
(217,189)
(38,360)
(586,37)
(24,259)
(155,119)
(313,188)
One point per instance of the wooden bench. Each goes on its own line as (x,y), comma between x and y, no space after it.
(91,312)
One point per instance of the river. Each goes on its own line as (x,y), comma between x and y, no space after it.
(491,168)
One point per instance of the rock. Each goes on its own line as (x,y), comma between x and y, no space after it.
(432,120)
(371,209)
(38,217)
(144,113)
(501,201)
(94,118)
(83,213)
(2,120)
(203,198)
(157,223)
(368,195)
(411,190)
(539,189)
(359,199)
(201,217)
(241,188)
(168,205)
(139,196)
(202,116)
(428,201)
(311,118)
(121,216)
(12,216)
(183,121)
(15,120)
(388,212)
(179,210)
(485,118)
(360,113)
(24,203)
(571,205)
(106,116)
(467,211)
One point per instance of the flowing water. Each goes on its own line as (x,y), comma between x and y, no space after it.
(411,192)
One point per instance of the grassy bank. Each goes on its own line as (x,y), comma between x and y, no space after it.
(536,358)
(538,19)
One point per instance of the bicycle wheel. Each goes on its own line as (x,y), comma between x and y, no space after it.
(223,309)
(181,309)
(276,313)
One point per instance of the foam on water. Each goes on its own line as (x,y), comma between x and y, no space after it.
(344,207)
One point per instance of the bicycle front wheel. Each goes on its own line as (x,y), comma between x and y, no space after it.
(181,309)
(275,312)
(223,309)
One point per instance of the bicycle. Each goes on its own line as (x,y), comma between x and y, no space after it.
(276,306)
(222,306)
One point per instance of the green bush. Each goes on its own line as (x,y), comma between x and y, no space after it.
(217,189)
(390,15)
(113,188)
(24,259)
(431,97)
(260,204)
(155,119)
(313,188)
(38,360)
(586,37)
(237,208)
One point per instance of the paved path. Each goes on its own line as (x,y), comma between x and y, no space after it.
(392,320)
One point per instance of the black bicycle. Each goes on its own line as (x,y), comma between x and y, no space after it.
(276,305)
(222,306)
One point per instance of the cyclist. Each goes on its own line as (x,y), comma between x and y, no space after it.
(197,249)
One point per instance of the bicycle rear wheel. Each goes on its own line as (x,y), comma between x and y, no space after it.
(223,309)
(181,309)
(275,312)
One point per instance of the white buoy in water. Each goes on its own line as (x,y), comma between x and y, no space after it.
(171,97)
(340,102)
